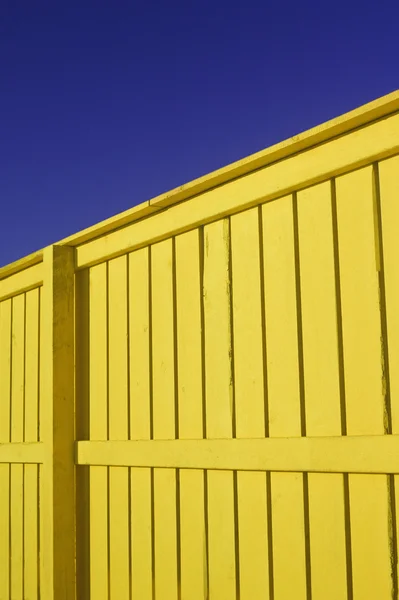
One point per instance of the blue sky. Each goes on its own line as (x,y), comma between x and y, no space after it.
(104,105)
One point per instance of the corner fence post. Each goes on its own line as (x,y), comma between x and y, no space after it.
(57,426)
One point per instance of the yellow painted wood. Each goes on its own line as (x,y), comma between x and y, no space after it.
(165,498)
(31,509)
(193,550)
(360,303)
(140,422)
(189,345)
(281,319)
(389,190)
(249,400)
(322,387)
(98,386)
(371,560)
(283,394)
(193,547)
(319,313)
(18,369)
(22,453)
(31,531)
(5,415)
(222,542)
(218,369)
(141,499)
(5,529)
(348,454)
(21,264)
(253,534)
(219,406)
(17,435)
(342,154)
(22,281)
(368,495)
(164,425)
(139,346)
(163,364)
(118,427)
(57,426)
(288,532)
(247,325)
(327,535)
(82,430)
(31,425)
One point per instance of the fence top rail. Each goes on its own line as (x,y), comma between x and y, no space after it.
(355,119)
(20,265)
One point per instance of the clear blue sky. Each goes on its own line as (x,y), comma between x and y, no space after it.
(106,104)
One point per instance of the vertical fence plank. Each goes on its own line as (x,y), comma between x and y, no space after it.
(389,192)
(118,427)
(164,419)
(140,422)
(5,416)
(82,430)
(363,378)
(190,396)
(98,389)
(321,387)
(219,407)
(17,435)
(289,575)
(31,513)
(57,419)
(249,401)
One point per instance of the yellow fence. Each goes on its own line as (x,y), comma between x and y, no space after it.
(199,398)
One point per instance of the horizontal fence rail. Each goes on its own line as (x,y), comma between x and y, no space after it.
(24,452)
(348,454)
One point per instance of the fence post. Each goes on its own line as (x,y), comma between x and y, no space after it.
(57,426)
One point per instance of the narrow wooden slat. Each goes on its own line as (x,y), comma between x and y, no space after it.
(322,387)
(190,394)
(189,348)
(141,498)
(389,191)
(5,415)
(164,415)
(139,349)
(249,401)
(140,422)
(163,341)
(22,281)
(283,395)
(31,426)
(365,408)
(219,406)
(17,435)
(219,382)
(82,430)
(118,427)
(281,319)
(343,154)
(360,304)
(98,386)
